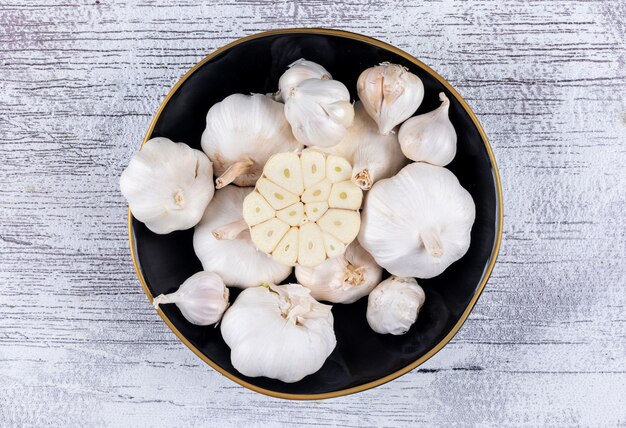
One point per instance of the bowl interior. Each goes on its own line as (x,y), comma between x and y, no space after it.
(361,356)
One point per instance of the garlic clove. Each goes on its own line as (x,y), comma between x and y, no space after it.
(345,195)
(293,215)
(275,195)
(342,224)
(337,169)
(298,72)
(333,246)
(313,167)
(256,209)
(430,137)
(317,193)
(268,234)
(390,94)
(311,250)
(314,210)
(284,170)
(393,306)
(341,112)
(286,252)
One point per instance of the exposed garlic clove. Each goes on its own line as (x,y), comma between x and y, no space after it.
(314,210)
(418,222)
(394,304)
(279,332)
(430,137)
(275,195)
(256,209)
(313,167)
(390,94)
(202,298)
(345,195)
(253,267)
(241,134)
(286,252)
(311,250)
(267,235)
(298,72)
(333,246)
(337,169)
(167,185)
(342,224)
(284,170)
(319,112)
(317,193)
(293,215)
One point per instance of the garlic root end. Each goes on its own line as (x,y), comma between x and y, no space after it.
(363,179)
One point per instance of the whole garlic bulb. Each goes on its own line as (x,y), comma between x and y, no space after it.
(279,332)
(298,72)
(430,137)
(167,185)
(418,222)
(233,257)
(390,94)
(342,279)
(373,156)
(202,298)
(241,133)
(319,112)
(393,306)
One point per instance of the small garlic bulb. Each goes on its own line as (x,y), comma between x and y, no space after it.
(222,243)
(202,298)
(279,332)
(319,112)
(393,306)
(430,137)
(298,72)
(167,185)
(241,133)
(373,156)
(342,279)
(390,94)
(418,222)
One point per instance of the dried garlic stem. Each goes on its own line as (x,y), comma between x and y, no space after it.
(233,171)
(363,179)
(431,241)
(230,231)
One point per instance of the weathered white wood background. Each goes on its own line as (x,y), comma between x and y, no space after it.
(81,346)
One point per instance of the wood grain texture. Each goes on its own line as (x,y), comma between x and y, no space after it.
(81,346)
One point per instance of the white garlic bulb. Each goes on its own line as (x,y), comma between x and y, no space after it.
(418,222)
(167,185)
(393,306)
(202,298)
(430,137)
(279,332)
(241,133)
(342,279)
(298,72)
(373,156)
(233,257)
(319,112)
(390,94)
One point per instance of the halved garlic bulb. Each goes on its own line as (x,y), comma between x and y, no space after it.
(241,133)
(393,306)
(298,72)
(390,94)
(430,137)
(222,243)
(418,222)
(319,112)
(304,209)
(167,185)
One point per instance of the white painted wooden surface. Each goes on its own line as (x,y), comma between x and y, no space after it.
(81,346)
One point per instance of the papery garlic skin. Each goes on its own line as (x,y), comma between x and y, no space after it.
(430,137)
(373,156)
(168,185)
(237,260)
(319,112)
(202,298)
(418,222)
(393,306)
(342,279)
(279,332)
(241,133)
(390,94)
(298,72)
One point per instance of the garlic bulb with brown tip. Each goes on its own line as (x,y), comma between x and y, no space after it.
(390,94)
(167,185)
(298,72)
(418,222)
(393,306)
(241,133)
(430,137)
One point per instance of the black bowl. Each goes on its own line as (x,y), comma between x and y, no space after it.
(362,358)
